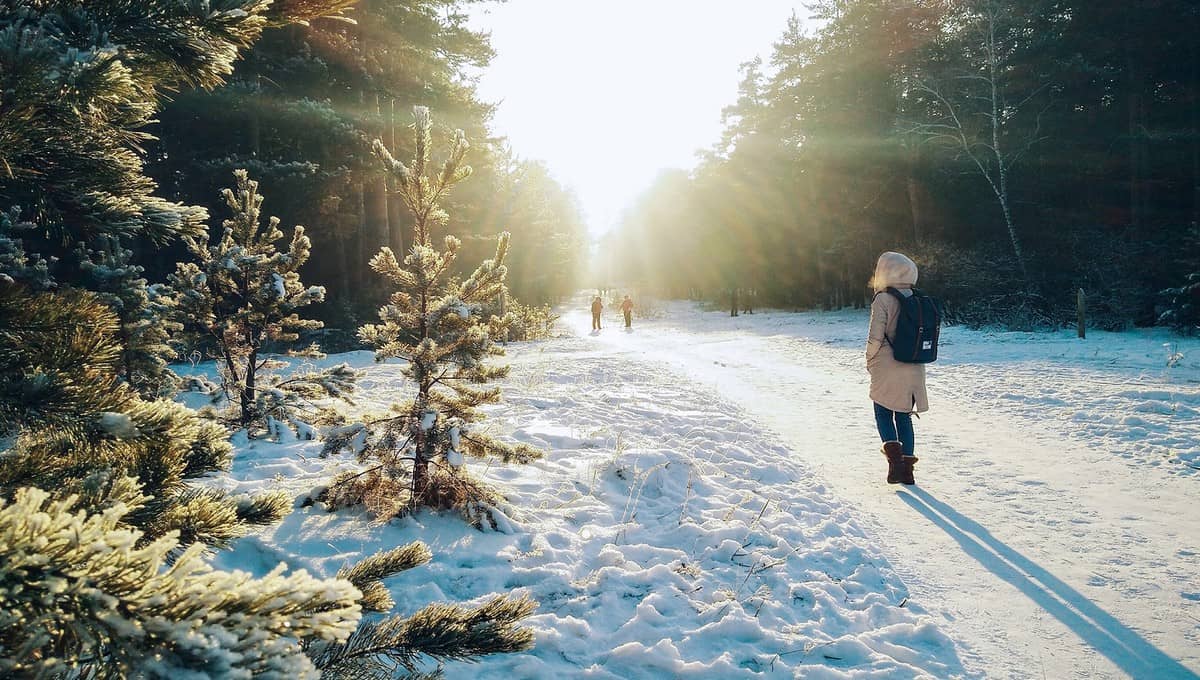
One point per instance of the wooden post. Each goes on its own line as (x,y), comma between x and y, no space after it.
(1080,309)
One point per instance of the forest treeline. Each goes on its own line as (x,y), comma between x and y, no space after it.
(1019,150)
(300,112)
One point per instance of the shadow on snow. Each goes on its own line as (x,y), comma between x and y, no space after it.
(1124,647)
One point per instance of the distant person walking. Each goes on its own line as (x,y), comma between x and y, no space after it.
(897,387)
(627,310)
(597,307)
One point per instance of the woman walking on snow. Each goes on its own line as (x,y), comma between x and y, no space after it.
(897,388)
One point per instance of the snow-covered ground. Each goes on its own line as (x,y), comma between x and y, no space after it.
(1055,528)
(711,505)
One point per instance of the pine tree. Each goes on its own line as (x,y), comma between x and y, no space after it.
(72,425)
(434,323)
(123,508)
(239,297)
(1183,308)
(144,314)
(1183,302)
(81,82)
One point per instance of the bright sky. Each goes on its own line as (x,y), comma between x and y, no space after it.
(610,92)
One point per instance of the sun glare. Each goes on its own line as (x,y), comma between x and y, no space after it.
(608,94)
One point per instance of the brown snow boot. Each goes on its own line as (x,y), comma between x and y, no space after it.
(894,452)
(906,470)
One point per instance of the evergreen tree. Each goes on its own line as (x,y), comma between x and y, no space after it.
(1076,149)
(81,82)
(72,425)
(240,296)
(433,322)
(1183,302)
(300,113)
(144,314)
(552,232)
(85,586)
(15,264)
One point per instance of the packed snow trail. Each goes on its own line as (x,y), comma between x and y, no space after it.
(1054,527)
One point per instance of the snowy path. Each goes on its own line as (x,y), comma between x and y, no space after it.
(1055,528)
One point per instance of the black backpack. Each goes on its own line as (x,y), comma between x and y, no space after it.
(917,329)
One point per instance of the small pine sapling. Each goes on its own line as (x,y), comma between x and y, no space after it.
(241,295)
(1183,306)
(434,322)
(144,313)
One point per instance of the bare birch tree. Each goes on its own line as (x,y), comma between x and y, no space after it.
(981,112)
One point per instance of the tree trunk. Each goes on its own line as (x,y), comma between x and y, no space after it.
(343,267)
(1081,314)
(375,197)
(1001,184)
(1002,196)
(1195,98)
(1136,141)
(394,217)
(914,209)
(248,389)
(422,455)
(376,206)
(361,268)
(818,254)
(733,302)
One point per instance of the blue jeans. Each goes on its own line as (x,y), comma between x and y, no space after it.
(895,426)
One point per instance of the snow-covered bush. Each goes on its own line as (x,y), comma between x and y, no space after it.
(242,294)
(436,324)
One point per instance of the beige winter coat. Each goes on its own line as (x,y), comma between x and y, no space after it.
(894,384)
